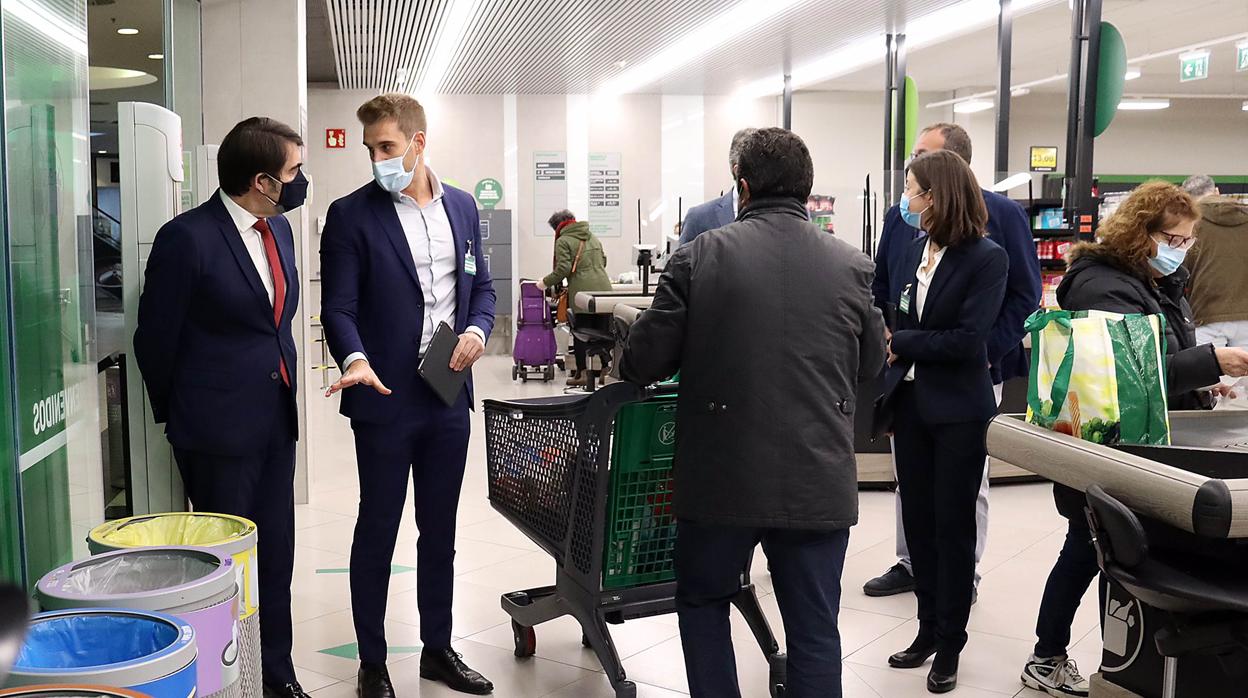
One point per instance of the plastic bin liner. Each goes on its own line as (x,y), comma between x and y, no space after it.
(172,529)
(133,574)
(78,642)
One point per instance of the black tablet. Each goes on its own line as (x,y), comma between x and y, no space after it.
(435,367)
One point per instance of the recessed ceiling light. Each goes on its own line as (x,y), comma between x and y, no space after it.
(127,31)
(1132,74)
(620,64)
(1143,104)
(1245,107)
(102,152)
(1020,91)
(156,56)
(972,106)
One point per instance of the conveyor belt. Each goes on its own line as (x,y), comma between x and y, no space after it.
(605,303)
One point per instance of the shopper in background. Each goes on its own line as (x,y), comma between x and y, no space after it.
(1009,227)
(1135,268)
(748,470)
(1219,273)
(938,398)
(215,347)
(1200,186)
(400,256)
(717,213)
(580,262)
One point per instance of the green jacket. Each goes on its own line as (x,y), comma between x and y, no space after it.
(591,271)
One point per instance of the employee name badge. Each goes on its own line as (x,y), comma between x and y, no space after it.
(470,262)
(904,304)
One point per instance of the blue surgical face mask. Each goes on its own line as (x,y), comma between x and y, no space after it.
(1168,259)
(390,173)
(912,218)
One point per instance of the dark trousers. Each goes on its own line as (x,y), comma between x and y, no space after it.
(939,469)
(1074,570)
(429,445)
(588,321)
(806,573)
(259,486)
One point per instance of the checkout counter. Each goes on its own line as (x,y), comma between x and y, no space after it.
(1192,497)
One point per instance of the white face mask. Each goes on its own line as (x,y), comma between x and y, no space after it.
(390,174)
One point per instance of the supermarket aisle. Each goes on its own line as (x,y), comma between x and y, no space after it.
(494,558)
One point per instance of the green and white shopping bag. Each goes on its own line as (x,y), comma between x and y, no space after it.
(1099,376)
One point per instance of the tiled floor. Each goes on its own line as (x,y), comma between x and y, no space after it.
(1024,537)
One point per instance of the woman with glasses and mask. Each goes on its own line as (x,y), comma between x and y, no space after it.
(1135,267)
(938,398)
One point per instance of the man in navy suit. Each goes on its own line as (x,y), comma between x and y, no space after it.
(716,213)
(400,256)
(1008,227)
(218,358)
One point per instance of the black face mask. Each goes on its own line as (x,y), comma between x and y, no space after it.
(293,193)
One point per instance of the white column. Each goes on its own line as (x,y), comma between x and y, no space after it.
(255,64)
(682,163)
(578,155)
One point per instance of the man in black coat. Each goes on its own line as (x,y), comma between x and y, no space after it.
(771,324)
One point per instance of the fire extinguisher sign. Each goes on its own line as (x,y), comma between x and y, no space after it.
(335,138)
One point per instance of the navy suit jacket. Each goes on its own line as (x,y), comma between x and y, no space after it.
(206,341)
(1009,227)
(949,346)
(371,299)
(713,214)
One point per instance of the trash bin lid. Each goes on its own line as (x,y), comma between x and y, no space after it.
(223,532)
(67,691)
(103,646)
(148,579)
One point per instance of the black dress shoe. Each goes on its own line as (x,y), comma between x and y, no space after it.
(913,656)
(447,666)
(373,681)
(897,580)
(286,690)
(941,683)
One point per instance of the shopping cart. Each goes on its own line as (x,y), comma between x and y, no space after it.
(588,478)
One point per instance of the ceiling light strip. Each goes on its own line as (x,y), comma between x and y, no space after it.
(457,19)
(50,25)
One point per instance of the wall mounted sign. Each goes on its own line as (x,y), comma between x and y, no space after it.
(335,138)
(1193,66)
(1044,158)
(1241,57)
(489,192)
(550,188)
(605,213)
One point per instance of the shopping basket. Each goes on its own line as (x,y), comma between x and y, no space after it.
(588,479)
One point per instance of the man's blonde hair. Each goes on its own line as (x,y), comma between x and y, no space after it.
(405,110)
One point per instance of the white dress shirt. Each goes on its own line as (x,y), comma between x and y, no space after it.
(924,280)
(245,222)
(432,244)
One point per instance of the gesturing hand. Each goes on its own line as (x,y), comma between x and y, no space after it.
(1233,361)
(469,349)
(358,373)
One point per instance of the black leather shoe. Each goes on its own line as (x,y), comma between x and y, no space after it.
(897,580)
(913,656)
(373,681)
(288,690)
(941,683)
(447,666)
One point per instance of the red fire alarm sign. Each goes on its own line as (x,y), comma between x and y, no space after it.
(335,138)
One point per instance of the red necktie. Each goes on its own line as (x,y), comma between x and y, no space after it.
(279,282)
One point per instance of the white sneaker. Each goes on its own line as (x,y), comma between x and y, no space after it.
(1057,676)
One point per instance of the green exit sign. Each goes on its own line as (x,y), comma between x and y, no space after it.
(1193,67)
(1241,57)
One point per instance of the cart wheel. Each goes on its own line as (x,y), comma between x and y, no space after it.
(526,640)
(778,674)
(515,372)
(626,689)
(585,641)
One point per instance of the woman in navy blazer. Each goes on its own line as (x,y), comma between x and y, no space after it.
(938,391)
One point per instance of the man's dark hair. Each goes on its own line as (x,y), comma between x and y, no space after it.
(958,213)
(776,163)
(956,139)
(253,146)
(734,148)
(560,216)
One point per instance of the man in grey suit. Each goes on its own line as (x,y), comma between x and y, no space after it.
(716,213)
(771,324)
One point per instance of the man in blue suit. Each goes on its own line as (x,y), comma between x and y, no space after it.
(716,213)
(400,256)
(1008,227)
(218,358)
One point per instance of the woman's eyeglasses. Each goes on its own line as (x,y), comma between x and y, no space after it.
(1178,242)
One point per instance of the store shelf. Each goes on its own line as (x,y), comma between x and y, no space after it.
(1052,264)
(1052,232)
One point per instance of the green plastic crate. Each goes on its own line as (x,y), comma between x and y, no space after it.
(641,531)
